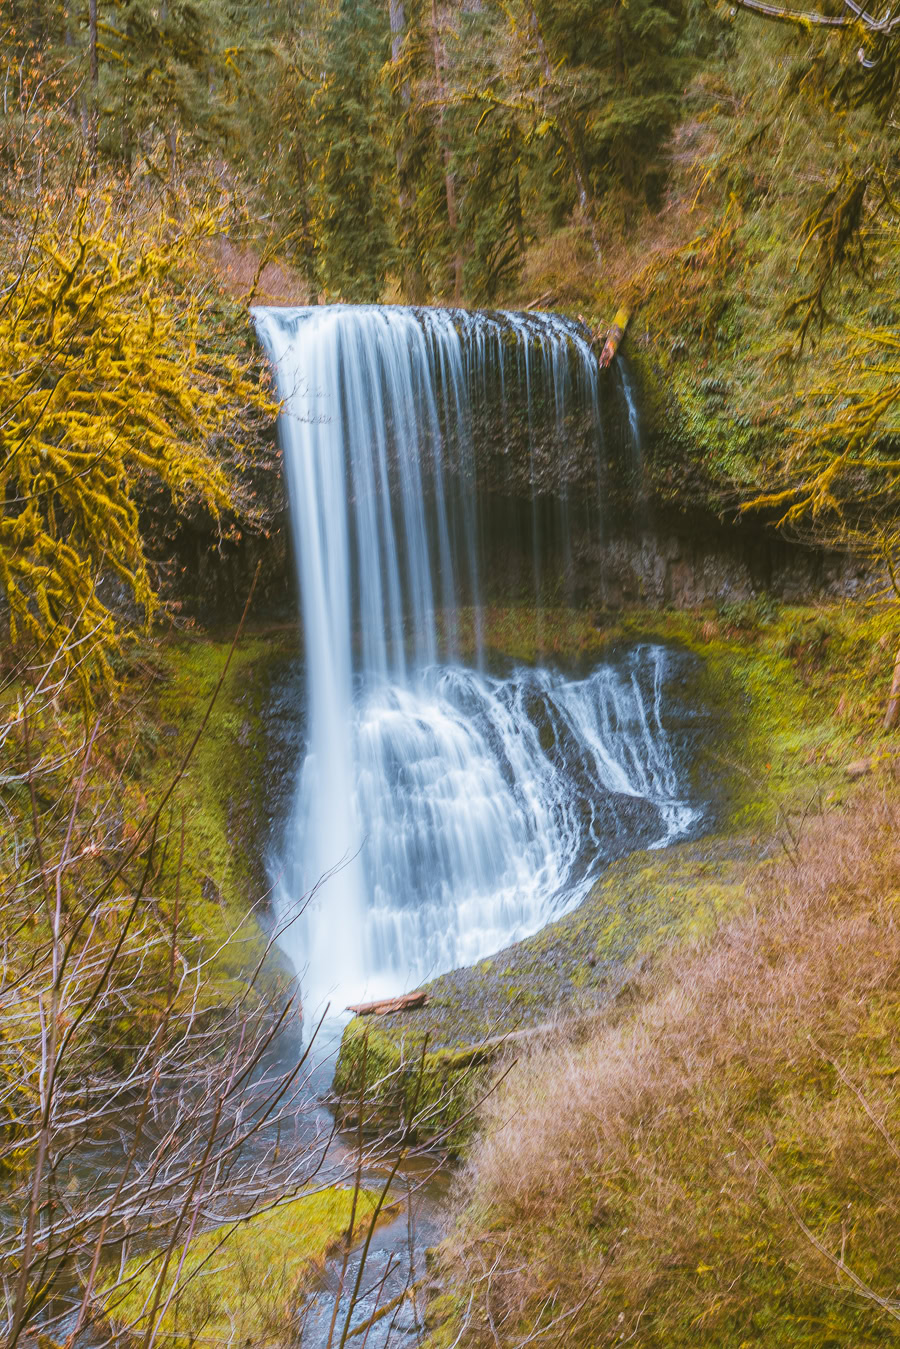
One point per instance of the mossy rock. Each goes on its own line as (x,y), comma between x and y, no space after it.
(395,1082)
(421,1072)
(221,798)
(242,1282)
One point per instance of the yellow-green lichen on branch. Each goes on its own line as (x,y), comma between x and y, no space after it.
(112,385)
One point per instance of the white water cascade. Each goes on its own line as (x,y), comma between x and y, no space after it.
(441,811)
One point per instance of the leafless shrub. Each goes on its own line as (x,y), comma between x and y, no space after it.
(144,1098)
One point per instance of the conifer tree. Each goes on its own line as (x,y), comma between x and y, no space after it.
(350,170)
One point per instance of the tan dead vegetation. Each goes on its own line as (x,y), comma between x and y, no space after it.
(243,276)
(559,271)
(719,1165)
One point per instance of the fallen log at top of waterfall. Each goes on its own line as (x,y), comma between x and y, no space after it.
(407,1002)
(614,337)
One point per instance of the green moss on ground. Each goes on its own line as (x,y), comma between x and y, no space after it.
(790,697)
(221,799)
(242,1283)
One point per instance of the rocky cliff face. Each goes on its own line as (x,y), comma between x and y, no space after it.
(690,559)
(572,515)
(204,567)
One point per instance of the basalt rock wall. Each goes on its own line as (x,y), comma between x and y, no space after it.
(656,557)
(570,512)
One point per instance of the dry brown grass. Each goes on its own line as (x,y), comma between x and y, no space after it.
(719,1166)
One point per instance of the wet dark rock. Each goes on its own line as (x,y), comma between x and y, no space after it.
(580,517)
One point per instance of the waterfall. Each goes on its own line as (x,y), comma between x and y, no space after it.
(441,810)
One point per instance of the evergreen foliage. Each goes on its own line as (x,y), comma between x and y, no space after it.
(416,145)
(163,72)
(735,179)
(348,153)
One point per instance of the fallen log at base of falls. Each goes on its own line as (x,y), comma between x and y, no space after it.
(407,1002)
(614,337)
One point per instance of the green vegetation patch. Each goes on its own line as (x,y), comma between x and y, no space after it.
(241,1282)
(220,801)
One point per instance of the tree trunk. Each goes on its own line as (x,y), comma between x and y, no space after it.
(413,281)
(307,243)
(893,707)
(407,1002)
(94,128)
(449,179)
(172,161)
(614,337)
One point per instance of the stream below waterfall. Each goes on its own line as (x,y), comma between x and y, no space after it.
(600,754)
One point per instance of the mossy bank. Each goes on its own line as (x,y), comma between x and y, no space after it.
(242,1281)
(787,699)
(205,720)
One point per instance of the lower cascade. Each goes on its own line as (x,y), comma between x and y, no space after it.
(442,810)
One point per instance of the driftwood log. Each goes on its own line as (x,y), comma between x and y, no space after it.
(614,337)
(408,1002)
